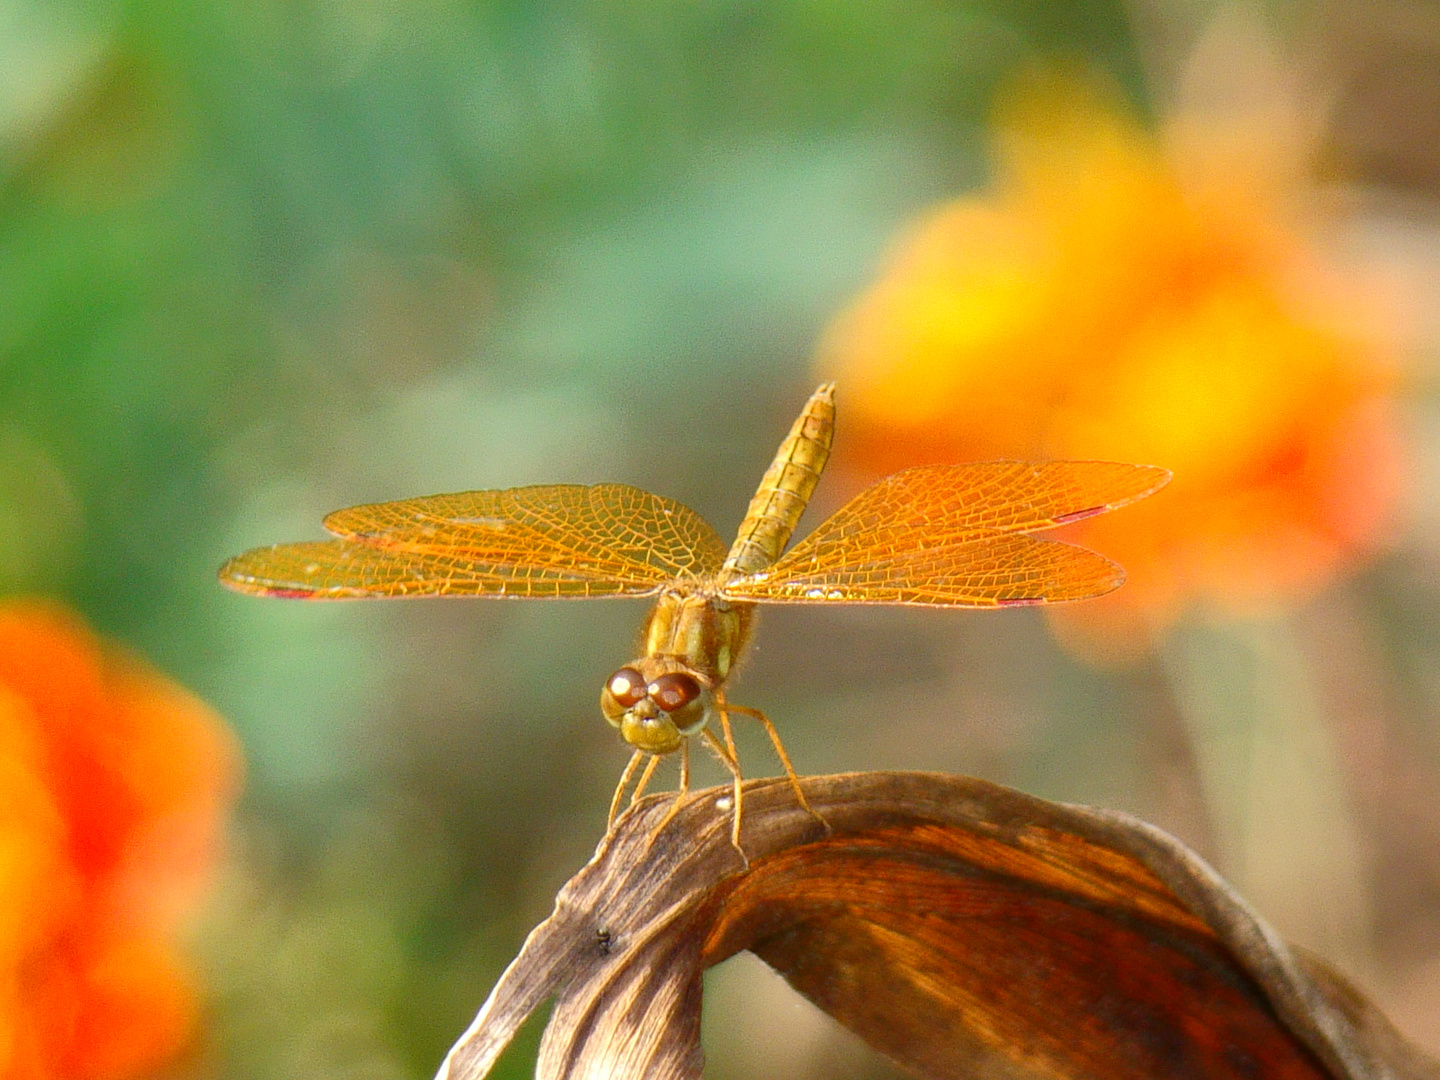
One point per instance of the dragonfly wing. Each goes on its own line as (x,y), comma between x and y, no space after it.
(947,501)
(954,535)
(991,570)
(342,569)
(609,531)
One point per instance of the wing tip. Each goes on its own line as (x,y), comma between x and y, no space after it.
(1159,475)
(1112,582)
(1114,578)
(235,576)
(1047,595)
(335,522)
(1109,577)
(1151,479)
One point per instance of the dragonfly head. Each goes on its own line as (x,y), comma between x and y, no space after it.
(655,705)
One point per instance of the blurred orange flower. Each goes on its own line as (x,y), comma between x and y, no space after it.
(114,783)
(1118,298)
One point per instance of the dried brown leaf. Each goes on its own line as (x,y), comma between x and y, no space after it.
(962,928)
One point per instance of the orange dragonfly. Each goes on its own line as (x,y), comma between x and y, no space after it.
(936,535)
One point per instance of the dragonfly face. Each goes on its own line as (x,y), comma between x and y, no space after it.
(657,704)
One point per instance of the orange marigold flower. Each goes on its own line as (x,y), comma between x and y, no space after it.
(114,782)
(1110,299)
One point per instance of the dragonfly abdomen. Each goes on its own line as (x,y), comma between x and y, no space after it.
(786,487)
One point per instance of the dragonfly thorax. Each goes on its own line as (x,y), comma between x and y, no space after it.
(705,632)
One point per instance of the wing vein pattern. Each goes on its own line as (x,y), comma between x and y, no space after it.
(555,540)
(955,535)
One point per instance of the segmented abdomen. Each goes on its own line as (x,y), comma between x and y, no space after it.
(786,487)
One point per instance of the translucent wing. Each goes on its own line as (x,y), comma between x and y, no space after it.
(953,535)
(947,501)
(557,540)
(608,529)
(343,570)
(997,570)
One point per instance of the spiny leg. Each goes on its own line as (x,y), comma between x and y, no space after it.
(728,760)
(745,710)
(679,795)
(620,787)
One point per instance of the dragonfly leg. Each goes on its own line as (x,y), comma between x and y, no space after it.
(645,775)
(728,760)
(725,709)
(745,710)
(679,795)
(620,787)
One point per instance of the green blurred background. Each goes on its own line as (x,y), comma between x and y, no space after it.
(266,259)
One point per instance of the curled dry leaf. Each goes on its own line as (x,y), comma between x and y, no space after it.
(964,929)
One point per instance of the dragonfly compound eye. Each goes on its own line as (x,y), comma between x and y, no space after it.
(673,691)
(627,686)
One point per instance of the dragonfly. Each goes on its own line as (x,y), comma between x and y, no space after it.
(948,536)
